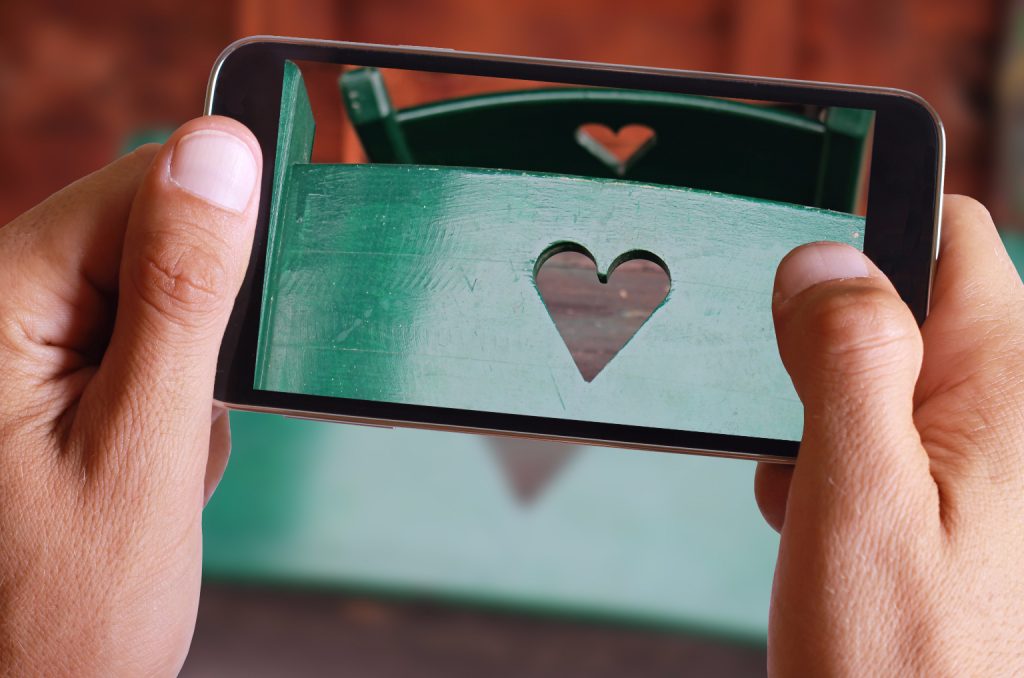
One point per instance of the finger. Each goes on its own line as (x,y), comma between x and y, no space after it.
(976,292)
(974,274)
(853,351)
(771,491)
(186,249)
(973,369)
(220,451)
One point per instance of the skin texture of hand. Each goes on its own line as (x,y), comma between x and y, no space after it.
(902,522)
(116,292)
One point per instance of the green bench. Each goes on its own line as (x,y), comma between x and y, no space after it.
(617,535)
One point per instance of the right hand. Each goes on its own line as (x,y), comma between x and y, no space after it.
(903,520)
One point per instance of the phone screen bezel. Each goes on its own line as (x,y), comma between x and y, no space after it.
(901,236)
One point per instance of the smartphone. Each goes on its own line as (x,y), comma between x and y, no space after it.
(552,249)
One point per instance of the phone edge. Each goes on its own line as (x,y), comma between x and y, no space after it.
(399,423)
(590,65)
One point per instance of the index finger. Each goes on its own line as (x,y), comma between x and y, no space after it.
(976,297)
(971,387)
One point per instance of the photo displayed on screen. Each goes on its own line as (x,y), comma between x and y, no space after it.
(518,247)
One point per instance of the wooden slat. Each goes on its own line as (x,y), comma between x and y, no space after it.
(415,284)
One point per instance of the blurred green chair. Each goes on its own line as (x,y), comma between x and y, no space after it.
(665,138)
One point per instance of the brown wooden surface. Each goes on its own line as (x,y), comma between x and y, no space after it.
(257,633)
(78,76)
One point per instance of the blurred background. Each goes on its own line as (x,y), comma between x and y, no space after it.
(343,550)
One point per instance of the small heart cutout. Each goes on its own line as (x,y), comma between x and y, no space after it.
(619,150)
(597,314)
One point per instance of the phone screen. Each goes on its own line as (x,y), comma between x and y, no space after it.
(579,253)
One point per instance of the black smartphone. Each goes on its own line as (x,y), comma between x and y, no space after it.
(553,249)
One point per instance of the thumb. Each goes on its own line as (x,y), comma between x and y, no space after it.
(853,351)
(185,253)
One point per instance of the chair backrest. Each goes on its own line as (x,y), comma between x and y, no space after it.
(416,284)
(664,138)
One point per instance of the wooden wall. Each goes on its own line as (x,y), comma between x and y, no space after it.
(77,76)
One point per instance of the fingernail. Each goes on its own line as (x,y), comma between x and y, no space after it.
(817,263)
(215,166)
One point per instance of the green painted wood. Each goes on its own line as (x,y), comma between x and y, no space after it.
(296,128)
(638,538)
(370,110)
(416,285)
(700,142)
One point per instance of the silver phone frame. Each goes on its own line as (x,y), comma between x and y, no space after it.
(587,65)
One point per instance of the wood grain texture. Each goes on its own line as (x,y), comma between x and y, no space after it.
(296,129)
(415,284)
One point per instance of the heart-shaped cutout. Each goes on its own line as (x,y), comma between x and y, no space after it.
(598,313)
(619,150)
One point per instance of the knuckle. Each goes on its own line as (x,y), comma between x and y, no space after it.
(968,207)
(863,322)
(180,278)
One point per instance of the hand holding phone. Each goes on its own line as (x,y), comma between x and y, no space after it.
(903,519)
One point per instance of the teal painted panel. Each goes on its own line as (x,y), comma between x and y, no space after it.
(295,132)
(636,537)
(416,285)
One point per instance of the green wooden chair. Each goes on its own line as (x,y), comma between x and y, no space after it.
(698,142)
